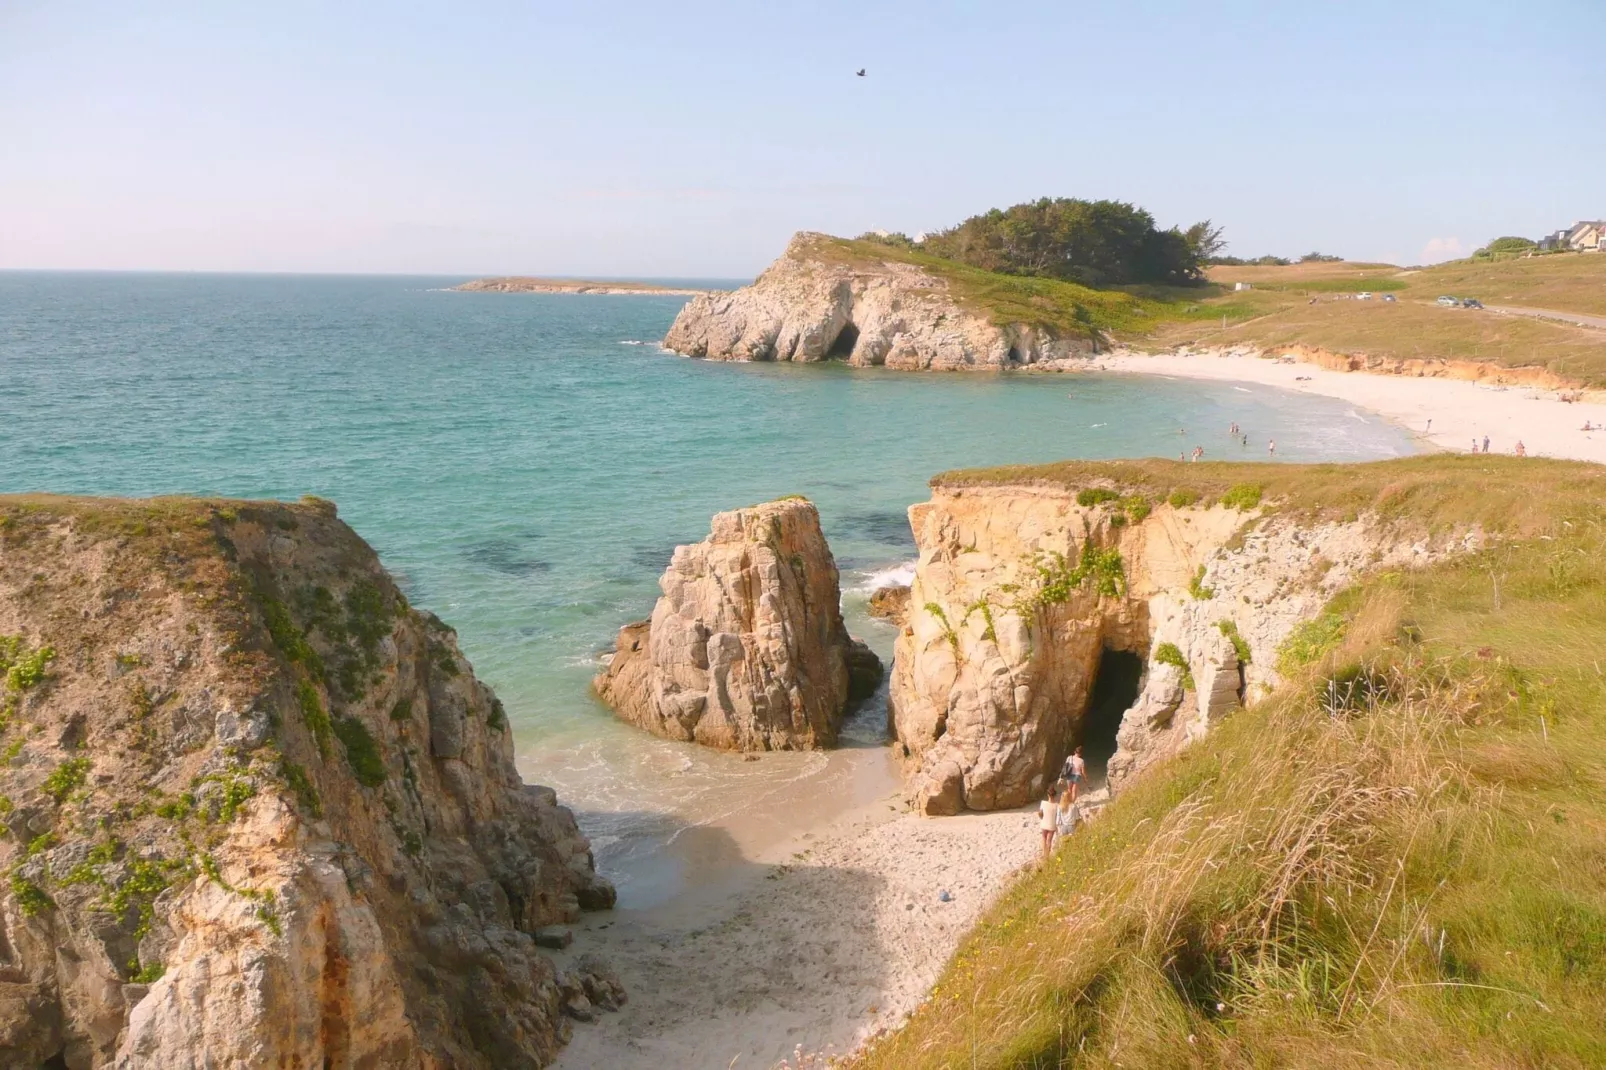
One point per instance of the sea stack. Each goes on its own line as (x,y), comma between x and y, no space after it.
(257,810)
(746,650)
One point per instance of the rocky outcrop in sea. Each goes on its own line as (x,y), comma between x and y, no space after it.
(746,650)
(813,304)
(258,810)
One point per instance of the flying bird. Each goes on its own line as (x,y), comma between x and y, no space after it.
(860,72)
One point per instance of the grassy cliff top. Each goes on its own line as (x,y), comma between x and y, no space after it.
(1396,859)
(1519,495)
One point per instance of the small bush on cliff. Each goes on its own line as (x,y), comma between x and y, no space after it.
(1137,507)
(1197,588)
(1309,642)
(1170,654)
(1240,645)
(29,897)
(1181,499)
(66,778)
(314,715)
(1088,497)
(362,753)
(1243,496)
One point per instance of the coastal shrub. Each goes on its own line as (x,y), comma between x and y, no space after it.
(24,668)
(300,784)
(1309,642)
(496,719)
(402,711)
(66,778)
(1057,578)
(362,753)
(289,639)
(989,633)
(1091,496)
(29,897)
(314,715)
(1242,497)
(1181,499)
(1197,589)
(1137,507)
(1240,645)
(1170,654)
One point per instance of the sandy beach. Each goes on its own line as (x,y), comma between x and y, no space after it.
(1460,411)
(816,946)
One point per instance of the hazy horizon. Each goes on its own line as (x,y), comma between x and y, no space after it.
(639,141)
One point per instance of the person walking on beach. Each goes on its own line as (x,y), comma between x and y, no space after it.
(1485,443)
(1074,772)
(1048,819)
(1522,451)
(1070,811)
(1271,447)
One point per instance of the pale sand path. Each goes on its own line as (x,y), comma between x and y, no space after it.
(843,937)
(1461,411)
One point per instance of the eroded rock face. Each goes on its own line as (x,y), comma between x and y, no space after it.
(746,650)
(810,306)
(995,665)
(260,812)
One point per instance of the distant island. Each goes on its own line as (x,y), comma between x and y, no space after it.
(522,284)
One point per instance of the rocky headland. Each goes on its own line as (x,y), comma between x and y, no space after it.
(258,811)
(746,649)
(827,299)
(1028,590)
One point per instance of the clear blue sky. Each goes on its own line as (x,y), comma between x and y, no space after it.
(691,139)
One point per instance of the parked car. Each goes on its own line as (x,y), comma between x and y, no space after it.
(1364,295)
(1471,302)
(1389,298)
(1448,302)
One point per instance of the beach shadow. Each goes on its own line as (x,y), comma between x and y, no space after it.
(740,963)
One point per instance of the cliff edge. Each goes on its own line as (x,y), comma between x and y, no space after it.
(258,811)
(826,299)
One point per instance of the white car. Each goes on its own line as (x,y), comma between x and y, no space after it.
(1364,295)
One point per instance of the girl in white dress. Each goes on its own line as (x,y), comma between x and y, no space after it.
(1048,819)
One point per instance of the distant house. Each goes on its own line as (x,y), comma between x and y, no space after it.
(1587,236)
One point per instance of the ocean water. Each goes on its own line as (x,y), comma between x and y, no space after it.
(525,463)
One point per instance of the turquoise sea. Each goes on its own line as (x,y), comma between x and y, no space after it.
(525,464)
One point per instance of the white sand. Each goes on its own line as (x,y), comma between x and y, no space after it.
(1460,411)
(815,951)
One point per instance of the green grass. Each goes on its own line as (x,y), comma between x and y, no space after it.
(1412,873)
(362,752)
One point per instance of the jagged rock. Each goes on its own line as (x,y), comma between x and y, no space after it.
(746,650)
(819,301)
(994,668)
(890,604)
(293,780)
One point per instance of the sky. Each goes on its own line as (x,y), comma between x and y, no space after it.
(691,139)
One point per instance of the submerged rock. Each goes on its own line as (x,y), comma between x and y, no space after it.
(746,650)
(261,813)
(820,301)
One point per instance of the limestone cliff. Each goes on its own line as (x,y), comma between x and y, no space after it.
(1021,590)
(746,650)
(816,304)
(258,811)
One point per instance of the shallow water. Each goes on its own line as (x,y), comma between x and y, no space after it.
(525,472)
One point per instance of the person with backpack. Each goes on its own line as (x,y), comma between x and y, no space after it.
(1074,772)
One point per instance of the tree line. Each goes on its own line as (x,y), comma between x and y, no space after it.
(1095,243)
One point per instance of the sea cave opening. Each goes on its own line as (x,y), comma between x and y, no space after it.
(846,339)
(1115,689)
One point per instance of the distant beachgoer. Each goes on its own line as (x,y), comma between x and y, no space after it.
(1074,772)
(1182,457)
(1271,447)
(1474,445)
(1429,427)
(1485,443)
(1522,451)
(1587,427)
(1198,451)
(1048,819)
(1246,441)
